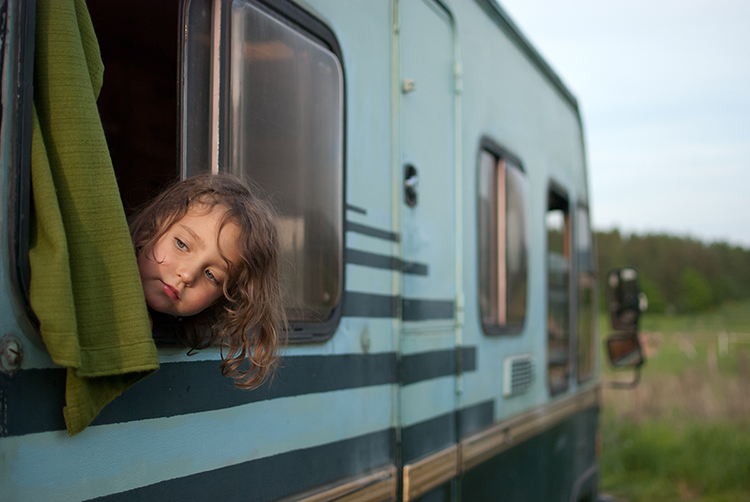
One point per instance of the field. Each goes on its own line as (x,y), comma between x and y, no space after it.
(683,434)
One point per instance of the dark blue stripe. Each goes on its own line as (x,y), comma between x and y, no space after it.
(474,418)
(439,363)
(33,399)
(427,365)
(373,305)
(468,359)
(428,437)
(367,259)
(372,231)
(356,209)
(422,310)
(273,477)
(369,305)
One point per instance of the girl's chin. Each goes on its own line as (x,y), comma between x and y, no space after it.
(159,306)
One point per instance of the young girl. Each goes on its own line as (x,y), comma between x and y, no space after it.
(208,256)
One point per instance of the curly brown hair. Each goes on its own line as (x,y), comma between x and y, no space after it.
(248,321)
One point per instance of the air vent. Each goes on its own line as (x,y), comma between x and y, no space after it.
(518,375)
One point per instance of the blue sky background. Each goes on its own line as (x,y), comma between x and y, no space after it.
(664,90)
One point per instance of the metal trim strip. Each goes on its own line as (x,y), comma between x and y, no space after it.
(438,468)
(377,487)
(424,475)
(498,438)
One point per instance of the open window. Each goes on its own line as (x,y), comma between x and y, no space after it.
(137,106)
(586,311)
(503,240)
(557,223)
(138,101)
(249,87)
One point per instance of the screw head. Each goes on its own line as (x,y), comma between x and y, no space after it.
(11,354)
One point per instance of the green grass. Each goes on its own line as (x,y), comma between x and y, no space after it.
(675,460)
(684,433)
(732,316)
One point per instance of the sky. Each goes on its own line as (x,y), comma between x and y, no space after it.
(664,91)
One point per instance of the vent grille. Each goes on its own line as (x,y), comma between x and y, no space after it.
(519,375)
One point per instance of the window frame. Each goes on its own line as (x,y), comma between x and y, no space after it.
(558,190)
(499,152)
(584,377)
(17,67)
(304,23)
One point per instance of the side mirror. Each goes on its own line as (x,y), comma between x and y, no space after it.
(624,350)
(626,302)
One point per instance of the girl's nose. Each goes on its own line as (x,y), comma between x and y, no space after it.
(187,273)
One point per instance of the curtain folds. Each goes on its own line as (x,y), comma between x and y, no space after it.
(85,287)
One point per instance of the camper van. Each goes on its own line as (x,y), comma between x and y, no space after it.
(429,172)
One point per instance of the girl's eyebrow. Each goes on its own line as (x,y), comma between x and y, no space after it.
(193,235)
(222,265)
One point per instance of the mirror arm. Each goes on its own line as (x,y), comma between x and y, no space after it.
(627,385)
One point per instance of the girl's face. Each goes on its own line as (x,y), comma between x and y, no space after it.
(184,272)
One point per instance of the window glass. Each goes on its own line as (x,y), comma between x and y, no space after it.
(586,307)
(286,128)
(196,90)
(503,243)
(558,292)
(516,238)
(275,105)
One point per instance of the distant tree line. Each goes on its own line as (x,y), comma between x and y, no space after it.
(677,274)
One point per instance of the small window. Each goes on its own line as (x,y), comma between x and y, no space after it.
(557,222)
(277,119)
(586,298)
(503,241)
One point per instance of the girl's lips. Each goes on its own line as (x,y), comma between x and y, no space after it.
(170,291)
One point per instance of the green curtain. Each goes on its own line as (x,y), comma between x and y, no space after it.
(85,288)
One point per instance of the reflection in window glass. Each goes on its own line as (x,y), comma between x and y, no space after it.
(503,244)
(558,293)
(586,295)
(285,132)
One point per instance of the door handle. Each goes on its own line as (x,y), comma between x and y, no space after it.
(411,183)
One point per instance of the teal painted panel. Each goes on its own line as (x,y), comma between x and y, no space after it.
(112,458)
(427,137)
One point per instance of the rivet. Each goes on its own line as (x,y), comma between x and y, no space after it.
(11,354)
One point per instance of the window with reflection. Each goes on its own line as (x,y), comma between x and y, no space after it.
(503,242)
(557,222)
(275,105)
(586,298)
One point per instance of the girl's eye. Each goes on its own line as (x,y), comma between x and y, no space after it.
(179,243)
(211,277)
